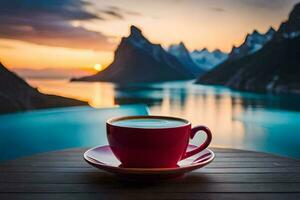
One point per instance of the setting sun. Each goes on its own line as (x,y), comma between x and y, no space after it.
(98,67)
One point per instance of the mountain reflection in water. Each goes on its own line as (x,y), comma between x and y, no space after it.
(260,122)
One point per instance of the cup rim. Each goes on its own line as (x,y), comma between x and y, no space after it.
(111,120)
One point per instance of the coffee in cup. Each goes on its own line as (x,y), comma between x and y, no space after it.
(152,141)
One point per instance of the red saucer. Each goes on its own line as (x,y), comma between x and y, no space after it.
(103,158)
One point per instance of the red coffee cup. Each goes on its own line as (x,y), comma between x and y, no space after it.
(153,147)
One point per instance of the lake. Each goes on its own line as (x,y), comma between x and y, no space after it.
(259,122)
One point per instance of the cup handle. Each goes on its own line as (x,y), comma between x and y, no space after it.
(203,146)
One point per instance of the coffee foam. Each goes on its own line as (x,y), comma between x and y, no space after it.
(149,123)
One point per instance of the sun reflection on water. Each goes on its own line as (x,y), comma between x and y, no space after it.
(103,96)
(237,120)
(202,108)
(214,111)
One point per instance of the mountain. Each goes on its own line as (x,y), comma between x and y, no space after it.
(17,95)
(291,28)
(274,68)
(138,60)
(253,42)
(207,60)
(183,55)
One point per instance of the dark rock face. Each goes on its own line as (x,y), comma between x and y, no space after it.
(138,60)
(17,95)
(274,68)
(291,28)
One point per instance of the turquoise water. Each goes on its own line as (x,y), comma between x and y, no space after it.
(54,129)
(259,122)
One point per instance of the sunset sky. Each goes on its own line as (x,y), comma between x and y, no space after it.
(79,34)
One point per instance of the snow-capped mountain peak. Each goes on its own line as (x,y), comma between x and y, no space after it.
(177,50)
(253,42)
(135,31)
(183,55)
(207,60)
(270,33)
(137,39)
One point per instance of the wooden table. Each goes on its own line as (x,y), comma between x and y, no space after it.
(234,174)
